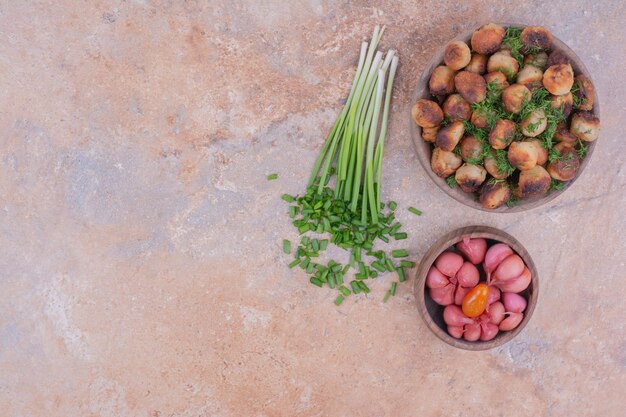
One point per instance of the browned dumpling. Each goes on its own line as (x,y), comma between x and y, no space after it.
(534,182)
(562,134)
(539,60)
(542,153)
(471,86)
(480,116)
(487,39)
(502,134)
(536,37)
(477,64)
(457,55)
(530,77)
(441,81)
(565,167)
(429,134)
(494,194)
(471,149)
(585,93)
(522,155)
(449,136)
(498,79)
(456,108)
(470,177)
(558,79)
(503,61)
(492,167)
(514,96)
(563,103)
(427,113)
(534,124)
(444,163)
(556,58)
(585,126)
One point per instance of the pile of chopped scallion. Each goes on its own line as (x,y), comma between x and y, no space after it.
(348,212)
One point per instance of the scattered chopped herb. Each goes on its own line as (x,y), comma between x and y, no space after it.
(451,180)
(286,246)
(272,177)
(415,211)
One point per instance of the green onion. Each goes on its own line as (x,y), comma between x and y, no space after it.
(400,236)
(355,287)
(392,290)
(415,211)
(286,246)
(294,263)
(390,266)
(288,198)
(407,264)
(316,281)
(364,287)
(272,177)
(399,253)
(401,276)
(378,266)
(339,300)
(392,205)
(345,291)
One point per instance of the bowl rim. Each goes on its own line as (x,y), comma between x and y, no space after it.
(444,243)
(469,199)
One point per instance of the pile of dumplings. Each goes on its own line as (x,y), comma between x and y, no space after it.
(538,155)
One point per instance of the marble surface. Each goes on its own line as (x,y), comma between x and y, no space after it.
(140,244)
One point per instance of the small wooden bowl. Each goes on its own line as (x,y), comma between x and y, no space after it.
(432,313)
(424,149)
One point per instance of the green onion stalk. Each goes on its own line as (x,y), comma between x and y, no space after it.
(351,214)
(355,144)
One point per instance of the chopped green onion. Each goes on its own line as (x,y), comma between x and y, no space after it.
(392,290)
(407,264)
(390,266)
(392,205)
(345,291)
(364,287)
(378,266)
(288,198)
(272,177)
(286,246)
(355,287)
(316,281)
(399,253)
(401,276)
(415,211)
(339,300)
(294,263)
(400,236)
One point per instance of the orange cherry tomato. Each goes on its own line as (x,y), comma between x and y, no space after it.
(475,301)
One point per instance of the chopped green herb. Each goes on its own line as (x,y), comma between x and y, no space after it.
(288,198)
(399,253)
(286,246)
(401,276)
(339,300)
(316,281)
(272,177)
(407,264)
(451,180)
(415,211)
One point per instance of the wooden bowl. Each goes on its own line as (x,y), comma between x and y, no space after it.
(424,149)
(432,313)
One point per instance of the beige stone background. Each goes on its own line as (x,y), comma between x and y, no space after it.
(140,260)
